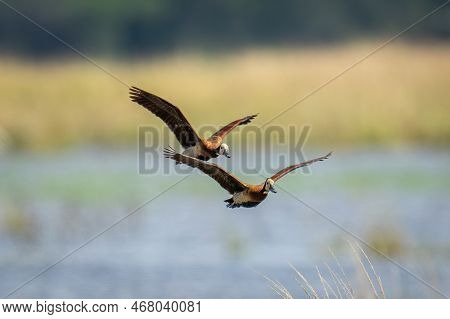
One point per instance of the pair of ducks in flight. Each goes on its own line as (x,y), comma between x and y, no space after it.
(198,151)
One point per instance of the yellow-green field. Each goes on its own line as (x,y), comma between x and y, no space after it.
(400,95)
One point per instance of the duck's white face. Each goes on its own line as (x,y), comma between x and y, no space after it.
(269,186)
(224,150)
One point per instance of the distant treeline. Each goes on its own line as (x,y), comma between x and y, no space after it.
(141,26)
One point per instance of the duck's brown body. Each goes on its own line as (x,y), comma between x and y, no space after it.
(250,197)
(244,195)
(203,150)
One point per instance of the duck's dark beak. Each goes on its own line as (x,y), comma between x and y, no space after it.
(272,189)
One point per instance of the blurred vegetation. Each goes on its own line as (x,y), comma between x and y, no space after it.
(387,240)
(17,222)
(141,26)
(398,96)
(208,55)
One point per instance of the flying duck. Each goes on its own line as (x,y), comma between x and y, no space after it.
(194,146)
(244,195)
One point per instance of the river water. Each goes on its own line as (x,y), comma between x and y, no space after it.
(186,243)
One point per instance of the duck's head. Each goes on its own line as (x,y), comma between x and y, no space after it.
(224,150)
(269,186)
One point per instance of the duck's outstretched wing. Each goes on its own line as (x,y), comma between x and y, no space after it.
(291,168)
(217,138)
(169,113)
(225,179)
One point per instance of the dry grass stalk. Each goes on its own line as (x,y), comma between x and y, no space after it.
(341,287)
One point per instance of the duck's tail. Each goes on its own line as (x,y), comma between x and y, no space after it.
(170,153)
(230,203)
